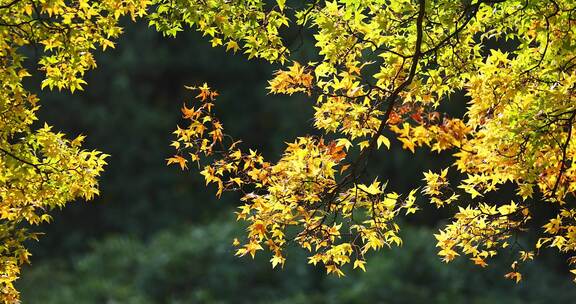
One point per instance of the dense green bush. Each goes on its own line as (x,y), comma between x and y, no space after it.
(197,265)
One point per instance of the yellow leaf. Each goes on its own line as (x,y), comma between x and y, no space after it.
(516,276)
(360,264)
(177,159)
(277,260)
(281,4)
(383,140)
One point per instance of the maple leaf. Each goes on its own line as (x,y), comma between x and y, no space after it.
(177,159)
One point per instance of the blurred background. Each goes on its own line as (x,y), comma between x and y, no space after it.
(158,235)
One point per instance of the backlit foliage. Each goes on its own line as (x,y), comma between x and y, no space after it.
(383,71)
(299,191)
(39,168)
(248,25)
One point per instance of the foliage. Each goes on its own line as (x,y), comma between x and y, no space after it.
(242,24)
(40,169)
(384,69)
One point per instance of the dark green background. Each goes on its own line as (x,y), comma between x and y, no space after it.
(158,235)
